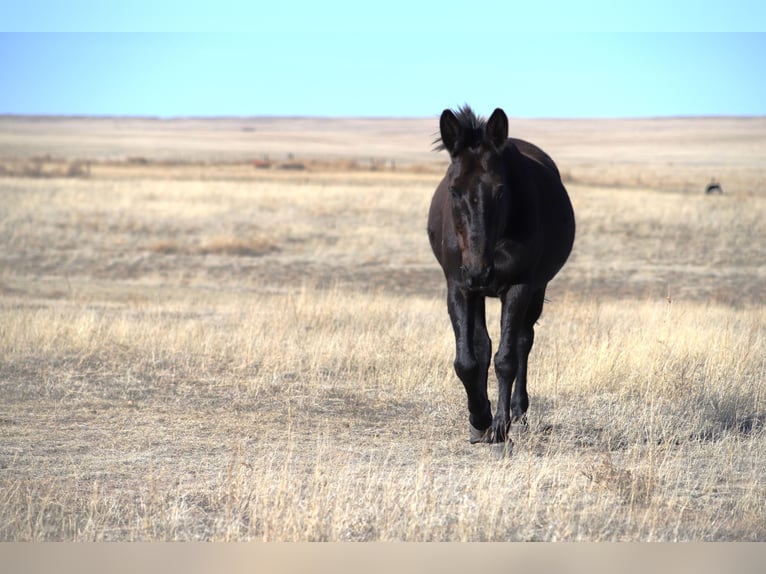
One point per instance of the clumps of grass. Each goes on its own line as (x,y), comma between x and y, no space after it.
(250,246)
(166,247)
(46,167)
(239,246)
(631,486)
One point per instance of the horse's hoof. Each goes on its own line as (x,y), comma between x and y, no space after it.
(477,435)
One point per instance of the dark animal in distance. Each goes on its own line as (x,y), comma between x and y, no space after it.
(500,225)
(713,187)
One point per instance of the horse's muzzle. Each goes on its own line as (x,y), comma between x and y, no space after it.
(476,281)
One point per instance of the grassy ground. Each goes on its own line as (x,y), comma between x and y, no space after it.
(203,350)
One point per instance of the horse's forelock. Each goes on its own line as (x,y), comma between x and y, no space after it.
(472,130)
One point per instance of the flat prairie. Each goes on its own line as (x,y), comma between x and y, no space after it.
(234,329)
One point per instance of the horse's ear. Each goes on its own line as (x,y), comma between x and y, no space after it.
(449,129)
(497,128)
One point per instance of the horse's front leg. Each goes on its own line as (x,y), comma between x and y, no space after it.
(510,360)
(473,350)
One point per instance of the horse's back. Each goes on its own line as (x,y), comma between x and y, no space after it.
(556,214)
(533,152)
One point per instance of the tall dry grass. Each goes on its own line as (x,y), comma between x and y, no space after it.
(296,417)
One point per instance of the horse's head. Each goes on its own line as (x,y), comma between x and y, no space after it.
(476,186)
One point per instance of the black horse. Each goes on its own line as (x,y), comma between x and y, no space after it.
(500,225)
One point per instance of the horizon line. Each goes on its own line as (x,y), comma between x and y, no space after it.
(212,117)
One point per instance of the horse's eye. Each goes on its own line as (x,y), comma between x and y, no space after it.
(453,191)
(498,190)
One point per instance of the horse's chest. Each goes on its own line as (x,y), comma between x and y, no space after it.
(515,261)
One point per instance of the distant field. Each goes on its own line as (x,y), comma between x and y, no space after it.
(670,154)
(196,347)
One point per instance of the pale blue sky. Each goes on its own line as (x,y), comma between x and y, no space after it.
(590,58)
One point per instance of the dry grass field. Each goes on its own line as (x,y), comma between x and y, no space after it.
(195,349)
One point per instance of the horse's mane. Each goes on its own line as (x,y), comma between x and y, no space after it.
(471,127)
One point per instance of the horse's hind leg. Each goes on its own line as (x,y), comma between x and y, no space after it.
(524,342)
(521,308)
